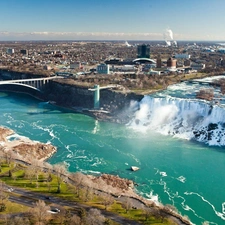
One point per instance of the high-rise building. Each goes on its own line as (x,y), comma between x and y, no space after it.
(143,51)
(10,51)
(24,51)
(158,62)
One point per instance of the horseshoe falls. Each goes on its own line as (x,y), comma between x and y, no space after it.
(176,140)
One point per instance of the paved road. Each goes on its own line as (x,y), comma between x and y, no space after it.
(29,198)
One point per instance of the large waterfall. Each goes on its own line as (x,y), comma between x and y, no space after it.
(183,118)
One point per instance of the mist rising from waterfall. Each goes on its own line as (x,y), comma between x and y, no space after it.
(182,118)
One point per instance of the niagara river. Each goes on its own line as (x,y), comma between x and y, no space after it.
(176,140)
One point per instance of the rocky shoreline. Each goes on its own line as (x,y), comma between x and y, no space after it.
(26,150)
(23,146)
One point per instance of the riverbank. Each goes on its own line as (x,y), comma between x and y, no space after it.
(119,188)
(24,147)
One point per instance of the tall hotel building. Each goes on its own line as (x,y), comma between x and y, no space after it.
(143,51)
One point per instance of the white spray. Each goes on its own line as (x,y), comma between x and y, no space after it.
(182,118)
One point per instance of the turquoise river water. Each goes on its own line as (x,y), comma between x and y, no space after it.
(176,140)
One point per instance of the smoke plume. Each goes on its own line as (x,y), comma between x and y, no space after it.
(168,37)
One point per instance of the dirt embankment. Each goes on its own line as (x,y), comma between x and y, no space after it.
(25,147)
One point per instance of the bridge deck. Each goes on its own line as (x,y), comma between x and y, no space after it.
(28,80)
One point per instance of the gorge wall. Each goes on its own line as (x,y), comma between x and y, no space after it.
(114,102)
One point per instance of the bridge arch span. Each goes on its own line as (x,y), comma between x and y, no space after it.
(22,88)
(24,85)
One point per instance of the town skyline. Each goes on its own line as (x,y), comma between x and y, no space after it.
(111,20)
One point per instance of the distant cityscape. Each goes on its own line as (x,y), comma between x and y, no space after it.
(76,58)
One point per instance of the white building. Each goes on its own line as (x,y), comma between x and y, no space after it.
(154,72)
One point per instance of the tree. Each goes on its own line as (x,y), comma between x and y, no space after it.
(78,179)
(8,156)
(37,166)
(74,220)
(40,212)
(86,194)
(60,171)
(127,205)
(107,200)
(18,220)
(30,173)
(48,169)
(2,150)
(94,217)
(3,196)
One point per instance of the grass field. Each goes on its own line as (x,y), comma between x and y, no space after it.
(38,183)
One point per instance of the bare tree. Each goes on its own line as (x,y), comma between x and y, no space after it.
(74,220)
(8,156)
(78,179)
(86,194)
(107,200)
(94,217)
(48,169)
(37,166)
(127,205)
(30,173)
(3,196)
(40,212)
(60,171)
(18,220)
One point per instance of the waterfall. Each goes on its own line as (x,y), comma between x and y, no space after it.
(183,118)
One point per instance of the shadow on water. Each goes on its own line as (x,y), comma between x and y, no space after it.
(53,111)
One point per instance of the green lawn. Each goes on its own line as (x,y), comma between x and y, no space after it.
(19,179)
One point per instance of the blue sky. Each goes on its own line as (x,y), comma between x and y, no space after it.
(111,19)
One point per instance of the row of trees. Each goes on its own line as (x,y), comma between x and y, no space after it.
(40,215)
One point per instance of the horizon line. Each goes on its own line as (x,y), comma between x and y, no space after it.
(106,40)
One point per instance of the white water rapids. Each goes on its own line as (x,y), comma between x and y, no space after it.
(182,118)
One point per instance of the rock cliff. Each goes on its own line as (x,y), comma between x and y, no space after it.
(114,104)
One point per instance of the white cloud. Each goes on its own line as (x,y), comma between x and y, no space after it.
(78,35)
(46,35)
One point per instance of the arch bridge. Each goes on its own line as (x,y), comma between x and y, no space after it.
(33,83)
